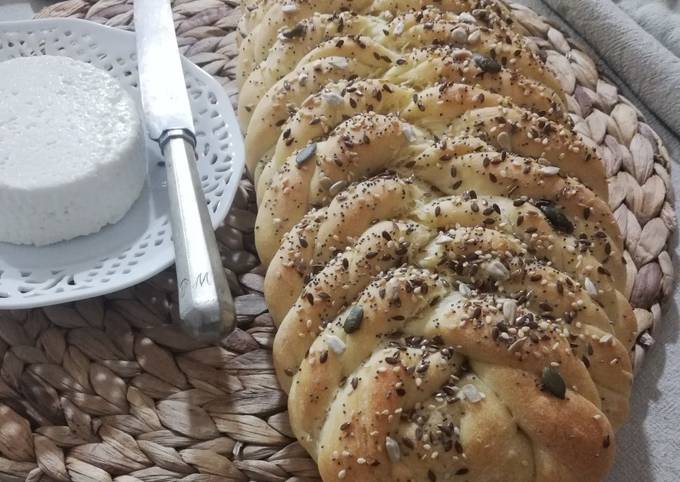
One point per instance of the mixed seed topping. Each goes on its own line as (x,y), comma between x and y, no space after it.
(467,245)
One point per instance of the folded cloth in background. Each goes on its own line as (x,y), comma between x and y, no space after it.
(644,64)
(661,18)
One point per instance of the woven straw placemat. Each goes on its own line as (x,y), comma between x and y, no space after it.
(107,389)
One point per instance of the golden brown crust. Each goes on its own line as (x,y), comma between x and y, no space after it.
(365,145)
(571,438)
(313,242)
(391,382)
(445,109)
(262,24)
(444,269)
(416,71)
(530,135)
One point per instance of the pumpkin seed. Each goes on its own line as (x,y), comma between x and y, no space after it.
(509,310)
(305,153)
(556,217)
(354,319)
(553,383)
(297,31)
(487,64)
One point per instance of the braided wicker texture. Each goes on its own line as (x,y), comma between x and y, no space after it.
(107,389)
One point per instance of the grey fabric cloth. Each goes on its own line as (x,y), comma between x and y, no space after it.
(661,18)
(642,62)
(648,447)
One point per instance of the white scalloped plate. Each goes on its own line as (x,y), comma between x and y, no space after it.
(140,245)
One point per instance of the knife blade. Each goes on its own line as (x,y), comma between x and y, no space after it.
(206,307)
(161,78)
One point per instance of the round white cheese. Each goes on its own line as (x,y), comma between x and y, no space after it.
(71,150)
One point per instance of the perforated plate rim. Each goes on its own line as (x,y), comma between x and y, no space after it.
(128,252)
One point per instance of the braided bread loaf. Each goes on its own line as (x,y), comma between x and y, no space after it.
(444,270)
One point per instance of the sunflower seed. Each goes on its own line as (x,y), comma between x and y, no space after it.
(590,287)
(408,132)
(466,17)
(289,8)
(337,187)
(517,344)
(336,344)
(443,239)
(393,450)
(339,62)
(474,37)
(504,141)
(464,289)
(497,270)
(549,170)
(305,153)
(332,98)
(470,393)
(459,35)
(509,310)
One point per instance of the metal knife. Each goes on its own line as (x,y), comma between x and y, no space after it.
(206,307)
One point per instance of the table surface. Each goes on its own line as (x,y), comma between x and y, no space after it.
(648,445)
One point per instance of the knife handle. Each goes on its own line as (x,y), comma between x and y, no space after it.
(206,307)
